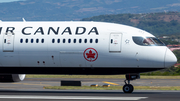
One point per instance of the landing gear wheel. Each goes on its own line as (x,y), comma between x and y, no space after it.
(128,88)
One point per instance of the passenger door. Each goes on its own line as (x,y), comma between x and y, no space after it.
(115,42)
(8,43)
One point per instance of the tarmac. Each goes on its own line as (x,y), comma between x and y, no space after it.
(31,89)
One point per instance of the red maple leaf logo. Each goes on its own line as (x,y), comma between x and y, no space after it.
(90,54)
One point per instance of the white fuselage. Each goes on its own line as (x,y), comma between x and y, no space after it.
(82,45)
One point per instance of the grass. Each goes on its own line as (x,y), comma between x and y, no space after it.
(100,76)
(112,88)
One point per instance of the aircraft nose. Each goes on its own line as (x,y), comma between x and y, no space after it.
(170,58)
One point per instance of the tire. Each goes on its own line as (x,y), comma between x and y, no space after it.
(128,88)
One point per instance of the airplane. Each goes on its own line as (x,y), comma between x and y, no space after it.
(79,48)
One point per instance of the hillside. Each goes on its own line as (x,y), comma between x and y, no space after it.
(55,10)
(155,23)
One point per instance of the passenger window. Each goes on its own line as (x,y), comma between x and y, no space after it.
(85,41)
(74,40)
(80,40)
(96,40)
(32,40)
(4,40)
(91,40)
(69,40)
(21,40)
(26,40)
(111,41)
(37,40)
(64,40)
(58,41)
(42,40)
(53,40)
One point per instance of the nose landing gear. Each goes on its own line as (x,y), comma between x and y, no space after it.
(128,88)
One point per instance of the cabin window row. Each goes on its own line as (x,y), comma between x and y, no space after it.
(75,41)
(32,41)
(59,41)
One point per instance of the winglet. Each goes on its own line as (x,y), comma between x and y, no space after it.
(23,20)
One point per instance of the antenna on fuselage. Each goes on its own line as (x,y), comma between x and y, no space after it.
(23,20)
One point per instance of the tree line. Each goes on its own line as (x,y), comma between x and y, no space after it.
(154,23)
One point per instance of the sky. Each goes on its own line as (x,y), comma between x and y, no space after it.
(9,0)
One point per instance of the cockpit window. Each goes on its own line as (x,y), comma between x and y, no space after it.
(149,41)
(158,42)
(138,40)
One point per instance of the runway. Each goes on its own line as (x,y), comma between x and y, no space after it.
(76,95)
(32,90)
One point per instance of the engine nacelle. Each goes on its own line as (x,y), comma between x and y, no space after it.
(12,77)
